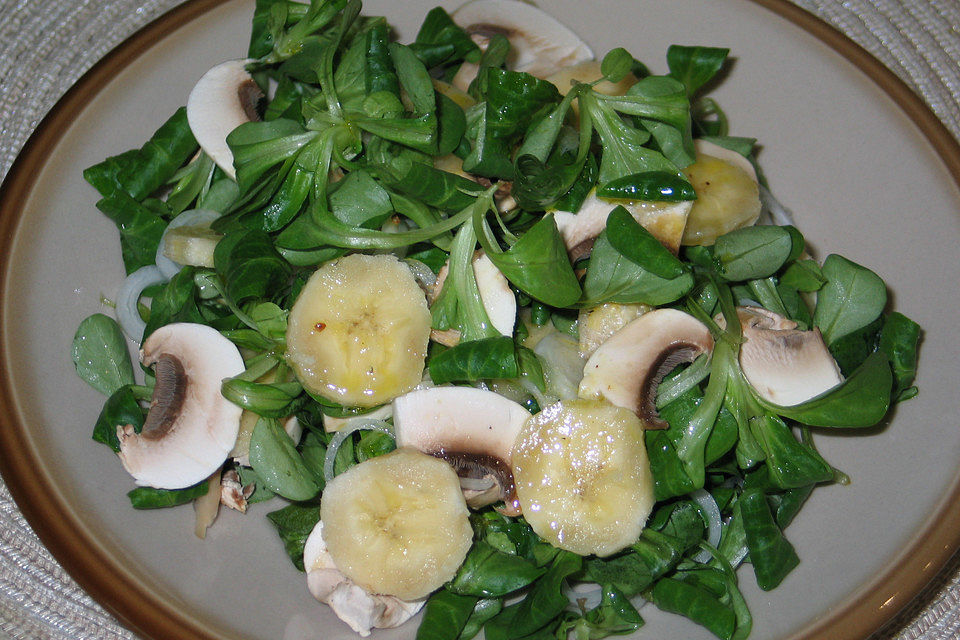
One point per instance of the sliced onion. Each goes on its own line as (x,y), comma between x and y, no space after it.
(129,296)
(586,595)
(711,512)
(562,365)
(423,274)
(359,424)
(190,217)
(773,209)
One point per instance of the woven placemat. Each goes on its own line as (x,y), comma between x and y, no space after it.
(46,46)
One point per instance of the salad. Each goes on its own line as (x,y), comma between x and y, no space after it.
(496,329)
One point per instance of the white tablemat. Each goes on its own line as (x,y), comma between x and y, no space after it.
(46,45)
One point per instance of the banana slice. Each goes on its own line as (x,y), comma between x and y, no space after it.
(358,332)
(397,524)
(597,324)
(583,477)
(728,196)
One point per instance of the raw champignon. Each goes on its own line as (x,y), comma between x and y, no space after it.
(472,429)
(628,367)
(539,44)
(360,609)
(784,366)
(190,428)
(225,97)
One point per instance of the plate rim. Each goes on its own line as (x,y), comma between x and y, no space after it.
(863,611)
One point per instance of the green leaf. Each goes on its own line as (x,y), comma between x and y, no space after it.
(656,186)
(615,615)
(487,572)
(269,400)
(695,66)
(360,201)
(141,172)
(294,524)
(612,277)
(537,263)
(616,64)
(441,41)
(852,298)
(544,602)
(790,463)
(899,339)
(861,400)
(638,245)
(273,455)
(100,354)
(514,100)
(151,498)
(696,603)
(121,408)
(771,555)
(250,266)
(140,229)
(752,252)
(176,302)
(484,359)
(803,275)
(445,615)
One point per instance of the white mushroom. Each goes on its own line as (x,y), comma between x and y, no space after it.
(495,294)
(360,609)
(224,98)
(783,365)
(539,44)
(190,428)
(472,429)
(628,367)
(664,220)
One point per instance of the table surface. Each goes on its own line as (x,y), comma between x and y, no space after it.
(46,46)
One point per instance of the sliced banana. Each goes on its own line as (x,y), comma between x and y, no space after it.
(397,524)
(358,332)
(583,477)
(728,195)
(599,323)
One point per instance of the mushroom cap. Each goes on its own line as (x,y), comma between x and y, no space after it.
(360,609)
(628,367)
(224,98)
(539,43)
(664,220)
(190,428)
(472,429)
(783,365)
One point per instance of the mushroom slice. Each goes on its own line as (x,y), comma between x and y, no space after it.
(539,44)
(472,429)
(356,606)
(628,367)
(224,98)
(783,365)
(664,220)
(190,428)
